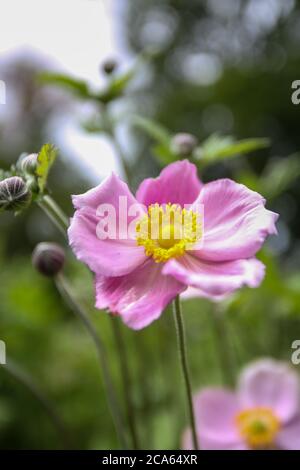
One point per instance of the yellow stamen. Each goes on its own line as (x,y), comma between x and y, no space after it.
(167,231)
(258,426)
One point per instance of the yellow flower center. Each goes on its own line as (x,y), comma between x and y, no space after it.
(167,231)
(258,426)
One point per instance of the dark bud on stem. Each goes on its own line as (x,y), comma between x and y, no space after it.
(109,66)
(14,194)
(184,144)
(29,163)
(48,258)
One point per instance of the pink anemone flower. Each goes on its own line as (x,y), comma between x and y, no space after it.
(264,412)
(136,277)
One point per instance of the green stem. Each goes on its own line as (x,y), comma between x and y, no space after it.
(66,292)
(184,366)
(27,381)
(122,158)
(127,388)
(55,214)
(222,346)
(110,130)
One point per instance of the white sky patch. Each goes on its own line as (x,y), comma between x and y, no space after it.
(78,35)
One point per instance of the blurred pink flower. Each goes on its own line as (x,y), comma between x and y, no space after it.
(264,412)
(138,277)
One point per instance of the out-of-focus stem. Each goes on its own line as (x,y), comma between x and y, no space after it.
(222,346)
(27,381)
(122,158)
(111,132)
(127,388)
(184,366)
(70,298)
(55,214)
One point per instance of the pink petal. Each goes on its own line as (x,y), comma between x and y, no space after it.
(178,183)
(271,384)
(236,222)
(194,293)
(215,279)
(140,297)
(210,443)
(110,257)
(215,411)
(289,437)
(106,192)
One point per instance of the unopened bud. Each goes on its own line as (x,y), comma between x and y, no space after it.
(14,194)
(109,66)
(29,163)
(184,144)
(48,258)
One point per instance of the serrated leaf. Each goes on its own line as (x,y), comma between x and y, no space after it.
(217,148)
(45,160)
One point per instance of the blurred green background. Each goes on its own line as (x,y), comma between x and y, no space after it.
(216,67)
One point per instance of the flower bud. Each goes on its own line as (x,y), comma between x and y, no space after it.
(109,66)
(14,194)
(29,163)
(184,144)
(48,258)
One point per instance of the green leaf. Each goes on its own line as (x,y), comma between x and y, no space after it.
(163,154)
(217,148)
(154,130)
(46,158)
(279,175)
(116,86)
(78,87)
